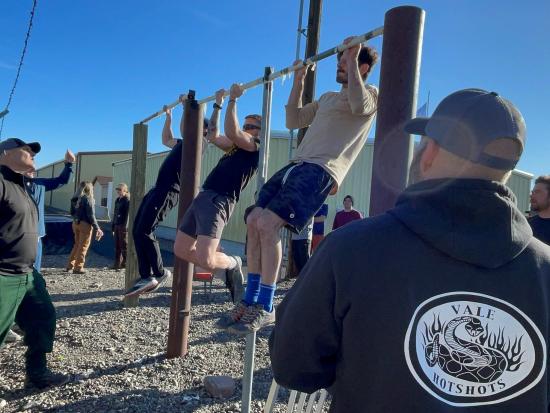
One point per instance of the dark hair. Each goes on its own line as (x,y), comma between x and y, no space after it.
(544,179)
(349,197)
(255,117)
(367,55)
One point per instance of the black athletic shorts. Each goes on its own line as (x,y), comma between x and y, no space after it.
(207,215)
(295,193)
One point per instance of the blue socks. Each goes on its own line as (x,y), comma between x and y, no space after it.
(265,297)
(252,288)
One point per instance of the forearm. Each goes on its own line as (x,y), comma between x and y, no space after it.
(294,104)
(167,134)
(362,99)
(231,124)
(214,126)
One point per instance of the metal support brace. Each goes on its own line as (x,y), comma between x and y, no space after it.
(248,375)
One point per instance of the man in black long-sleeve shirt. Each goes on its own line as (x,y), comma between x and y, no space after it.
(120,225)
(33,310)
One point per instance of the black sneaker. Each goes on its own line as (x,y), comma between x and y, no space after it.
(233,316)
(142,285)
(47,379)
(161,281)
(254,319)
(234,280)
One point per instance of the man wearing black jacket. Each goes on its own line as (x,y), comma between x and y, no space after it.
(120,225)
(23,295)
(440,304)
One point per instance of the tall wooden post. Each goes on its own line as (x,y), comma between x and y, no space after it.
(182,284)
(312,48)
(399,74)
(137,190)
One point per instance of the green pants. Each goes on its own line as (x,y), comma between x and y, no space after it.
(25,300)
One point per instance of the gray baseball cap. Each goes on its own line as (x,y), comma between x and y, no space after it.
(13,143)
(465,122)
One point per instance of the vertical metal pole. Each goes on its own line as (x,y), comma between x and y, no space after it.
(248,376)
(182,283)
(137,190)
(266,130)
(399,76)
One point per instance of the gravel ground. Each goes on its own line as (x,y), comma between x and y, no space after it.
(116,355)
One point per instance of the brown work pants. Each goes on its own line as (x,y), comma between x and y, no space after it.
(121,244)
(82,238)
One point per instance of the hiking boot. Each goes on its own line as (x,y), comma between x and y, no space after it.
(160,280)
(141,286)
(233,316)
(115,267)
(79,271)
(253,319)
(234,280)
(47,379)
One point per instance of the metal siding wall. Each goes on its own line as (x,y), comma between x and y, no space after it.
(357,183)
(99,164)
(520,184)
(45,172)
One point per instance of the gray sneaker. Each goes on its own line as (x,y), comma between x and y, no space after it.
(234,280)
(161,281)
(12,337)
(141,286)
(254,319)
(233,316)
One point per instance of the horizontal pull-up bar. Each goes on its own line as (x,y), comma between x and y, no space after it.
(309,61)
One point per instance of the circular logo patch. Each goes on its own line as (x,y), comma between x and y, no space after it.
(469,349)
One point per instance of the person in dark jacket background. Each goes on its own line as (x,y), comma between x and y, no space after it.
(84,223)
(23,294)
(440,304)
(120,225)
(540,205)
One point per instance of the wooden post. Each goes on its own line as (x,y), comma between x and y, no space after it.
(399,74)
(182,283)
(137,190)
(312,48)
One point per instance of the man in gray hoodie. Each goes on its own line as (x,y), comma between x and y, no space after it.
(441,303)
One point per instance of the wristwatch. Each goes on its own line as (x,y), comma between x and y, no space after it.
(216,106)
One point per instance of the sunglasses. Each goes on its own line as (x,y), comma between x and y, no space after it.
(249,126)
(118,189)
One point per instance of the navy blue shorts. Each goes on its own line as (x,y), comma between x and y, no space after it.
(295,193)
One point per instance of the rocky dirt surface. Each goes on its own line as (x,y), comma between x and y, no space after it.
(116,356)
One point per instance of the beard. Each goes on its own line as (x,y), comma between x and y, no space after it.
(540,207)
(341,77)
(415,174)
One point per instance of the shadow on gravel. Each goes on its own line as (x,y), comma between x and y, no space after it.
(150,400)
(85,295)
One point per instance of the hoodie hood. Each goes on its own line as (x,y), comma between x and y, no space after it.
(470,220)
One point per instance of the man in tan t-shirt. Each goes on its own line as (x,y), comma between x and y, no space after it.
(339,123)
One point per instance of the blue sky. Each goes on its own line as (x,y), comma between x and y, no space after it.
(93,68)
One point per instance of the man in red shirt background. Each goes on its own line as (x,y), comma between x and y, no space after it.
(346,215)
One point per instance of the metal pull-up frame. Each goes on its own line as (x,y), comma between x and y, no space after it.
(399,77)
